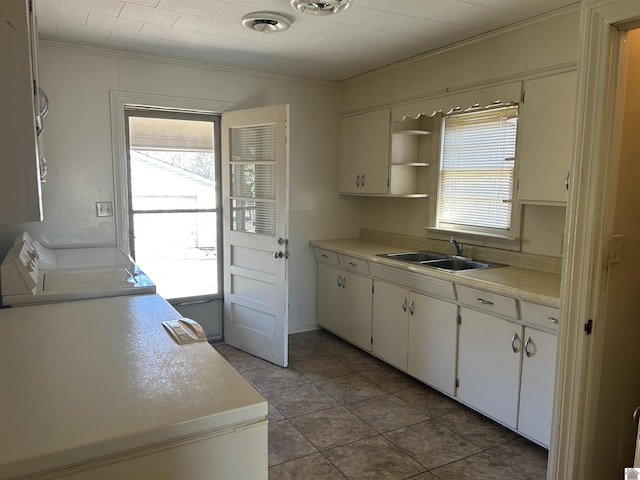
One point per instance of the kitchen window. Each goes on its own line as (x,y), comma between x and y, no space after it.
(174,199)
(477,173)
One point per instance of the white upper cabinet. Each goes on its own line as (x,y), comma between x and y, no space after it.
(546,133)
(21,121)
(364,162)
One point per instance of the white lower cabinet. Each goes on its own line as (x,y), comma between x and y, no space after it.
(390,326)
(433,334)
(537,384)
(489,358)
(344,304)
(499,359)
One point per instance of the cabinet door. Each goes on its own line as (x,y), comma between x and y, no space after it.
(376,136)
(489,365)
(546,136)
(351,154)
(364,153)
(329,292)
(536,390)
(20,189)
(433,337)
(356,309)
(390,325)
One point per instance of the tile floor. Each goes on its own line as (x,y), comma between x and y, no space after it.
(339,413)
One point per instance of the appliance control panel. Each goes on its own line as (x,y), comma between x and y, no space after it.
(19,270)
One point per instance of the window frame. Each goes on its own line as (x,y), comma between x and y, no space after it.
(482,236)
(119,102)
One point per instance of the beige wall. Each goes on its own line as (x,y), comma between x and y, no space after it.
(77,143)
(513,54)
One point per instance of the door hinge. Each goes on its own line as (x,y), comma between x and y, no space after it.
(371,340)
(588,327)
(373,289)
(459,319)
(388,182)
(457,382)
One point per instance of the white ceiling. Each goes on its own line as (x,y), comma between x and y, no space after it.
(370,34)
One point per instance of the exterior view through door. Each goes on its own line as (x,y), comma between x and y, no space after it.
(255,210)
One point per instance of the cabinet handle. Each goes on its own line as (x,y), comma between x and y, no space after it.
(566,180)
(636,415)
(354,265)
(411,307)
(362,180)
(44,169)
(553,320)
(515,343)
(324,255)
(404,305)
(357,180)
(482,301)
(339,281)
(45,108)
(527,352)
(344,282)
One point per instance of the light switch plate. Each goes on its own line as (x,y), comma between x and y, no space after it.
(104,209)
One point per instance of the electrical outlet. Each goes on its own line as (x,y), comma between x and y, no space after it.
(615,250)
(104,209)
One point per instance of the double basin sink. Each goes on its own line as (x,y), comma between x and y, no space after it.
(440,261)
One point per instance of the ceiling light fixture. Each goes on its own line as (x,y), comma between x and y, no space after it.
(326,7)
(266,22)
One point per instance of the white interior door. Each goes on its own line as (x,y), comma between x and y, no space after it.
(255,199)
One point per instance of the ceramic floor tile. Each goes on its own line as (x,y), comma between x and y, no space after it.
(390,378)
(286,443)
(359,360)
(272,377)
(429,401)
(274,414)
(373,458)
(314,467)
(331,428)
(524,456)
(322,368)
(300,400)
(476,428)
(431,444)
(478,467)
(245,362)
(352,388)
(387,412)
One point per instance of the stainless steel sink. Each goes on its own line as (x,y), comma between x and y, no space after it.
(457,264)
(414,257)
(440,261)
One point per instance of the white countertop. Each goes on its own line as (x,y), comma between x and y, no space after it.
(91,378)
(527,284)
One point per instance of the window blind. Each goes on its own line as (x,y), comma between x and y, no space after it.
(477,168)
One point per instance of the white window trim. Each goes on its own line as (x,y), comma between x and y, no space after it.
(118,102)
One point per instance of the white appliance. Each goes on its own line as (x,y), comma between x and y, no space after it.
(99,389)
(32,274)
(74,258)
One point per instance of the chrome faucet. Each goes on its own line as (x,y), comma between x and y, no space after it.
(458,246)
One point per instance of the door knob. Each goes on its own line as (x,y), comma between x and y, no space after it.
(278,254)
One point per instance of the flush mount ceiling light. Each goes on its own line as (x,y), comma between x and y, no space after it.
(266,22)
(326,7)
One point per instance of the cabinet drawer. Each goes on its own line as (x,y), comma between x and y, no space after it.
(354,264)
(326,256)
(539,315)
(488,302)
